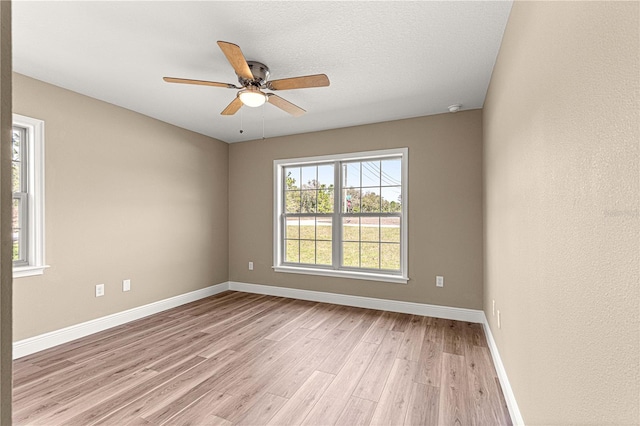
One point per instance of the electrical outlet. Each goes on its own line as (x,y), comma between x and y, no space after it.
(439,281)
(126,285)
(494,308)
(99,290)
(251,266)
(499,321)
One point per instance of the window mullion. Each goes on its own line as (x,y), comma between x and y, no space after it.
(336,235)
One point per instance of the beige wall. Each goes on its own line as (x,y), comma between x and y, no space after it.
(5,214)
(445,207)
(561,135)
(127,197)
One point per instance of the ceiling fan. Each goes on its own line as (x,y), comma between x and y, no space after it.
(254,78)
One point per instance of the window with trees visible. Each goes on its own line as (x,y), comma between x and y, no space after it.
(342,215)
(27,179)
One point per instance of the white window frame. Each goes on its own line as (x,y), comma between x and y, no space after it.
(35,197)
(401,277)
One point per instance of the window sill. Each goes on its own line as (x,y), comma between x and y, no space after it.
(28,271)
(343,274)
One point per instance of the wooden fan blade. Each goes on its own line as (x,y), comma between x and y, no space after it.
(236,59)
(285,105)
(233,107)
(200,82)
(317,80)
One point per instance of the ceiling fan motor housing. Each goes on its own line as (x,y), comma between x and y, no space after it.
(260,74)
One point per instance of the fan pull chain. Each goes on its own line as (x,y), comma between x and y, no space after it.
(241,131)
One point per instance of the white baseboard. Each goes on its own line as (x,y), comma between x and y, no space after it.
(48,340)
(514,411)
(446,312)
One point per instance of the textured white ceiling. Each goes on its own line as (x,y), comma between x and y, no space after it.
(386,60)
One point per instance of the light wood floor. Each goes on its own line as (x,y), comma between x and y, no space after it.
(239,358)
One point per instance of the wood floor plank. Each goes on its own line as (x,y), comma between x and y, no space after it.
(299,405)
(283,331)
(377,332)
(423,405)
(318,315)
(353,318)
(503,404)
(117,403)
(454,407)
(201,411)
(358,412)
(330,406)
(453,337)
(249,359)
(339,355)
(332,321)
(412,339)
(401,323)
(394,401)
(374,378)
(289,381)
(485,406)
(262,411)
(430,362)
(66,411)
(164,394)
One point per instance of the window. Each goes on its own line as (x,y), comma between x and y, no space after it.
(342,215)
(27,178)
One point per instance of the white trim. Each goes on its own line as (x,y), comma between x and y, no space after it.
(399,279)
(44,341)
(512,405)
(336,271)
(446,312)
(35,194)
(28,271)
(363,155)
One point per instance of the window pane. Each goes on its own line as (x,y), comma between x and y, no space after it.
(15,213)
(292,201)
(16,145)
(293,230)
(307,228)
(390,256)
(370,173)
(351,175)
(390,229)
(391,200)
(391,172)
(293,251)
(323,252)
(324,229)
(307,251)
(16,169)
(351,229)
(325,200)
(370,229)
(292,177)
(16,245)
(309,177)
(308,201)
(351,200)
(370,200)
(325,175)
(370,256)
(351,254)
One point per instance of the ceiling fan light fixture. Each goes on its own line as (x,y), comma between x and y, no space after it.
(252,97)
